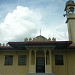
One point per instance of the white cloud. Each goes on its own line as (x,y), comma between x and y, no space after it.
(22,20)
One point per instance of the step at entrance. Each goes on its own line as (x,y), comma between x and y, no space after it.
(40,74)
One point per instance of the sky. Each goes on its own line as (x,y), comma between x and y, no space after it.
(20,19)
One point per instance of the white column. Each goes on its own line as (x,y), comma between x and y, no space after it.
(31,67)
(29,60)
(48,67)
(45,59)
(50,53)
(35,60)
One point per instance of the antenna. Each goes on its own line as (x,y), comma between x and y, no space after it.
(40,32)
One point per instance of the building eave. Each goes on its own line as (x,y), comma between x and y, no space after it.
(46,43)
(22,46)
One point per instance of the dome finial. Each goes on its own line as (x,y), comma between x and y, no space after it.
(40,32)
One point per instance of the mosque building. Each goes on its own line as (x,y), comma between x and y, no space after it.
(39,55)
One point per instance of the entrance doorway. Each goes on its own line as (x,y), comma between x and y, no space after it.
(40,64)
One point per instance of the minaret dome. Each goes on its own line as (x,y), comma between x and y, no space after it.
(70,2)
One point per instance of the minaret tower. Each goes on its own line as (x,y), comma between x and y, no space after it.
(70,14)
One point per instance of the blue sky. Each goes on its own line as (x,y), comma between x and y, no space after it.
(24,18)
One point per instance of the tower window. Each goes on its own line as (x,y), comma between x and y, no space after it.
(8,59)
(59,60)
(71,9)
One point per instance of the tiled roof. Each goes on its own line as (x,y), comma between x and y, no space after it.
(5,47)
(46,43)
(23,45)
(71,47)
